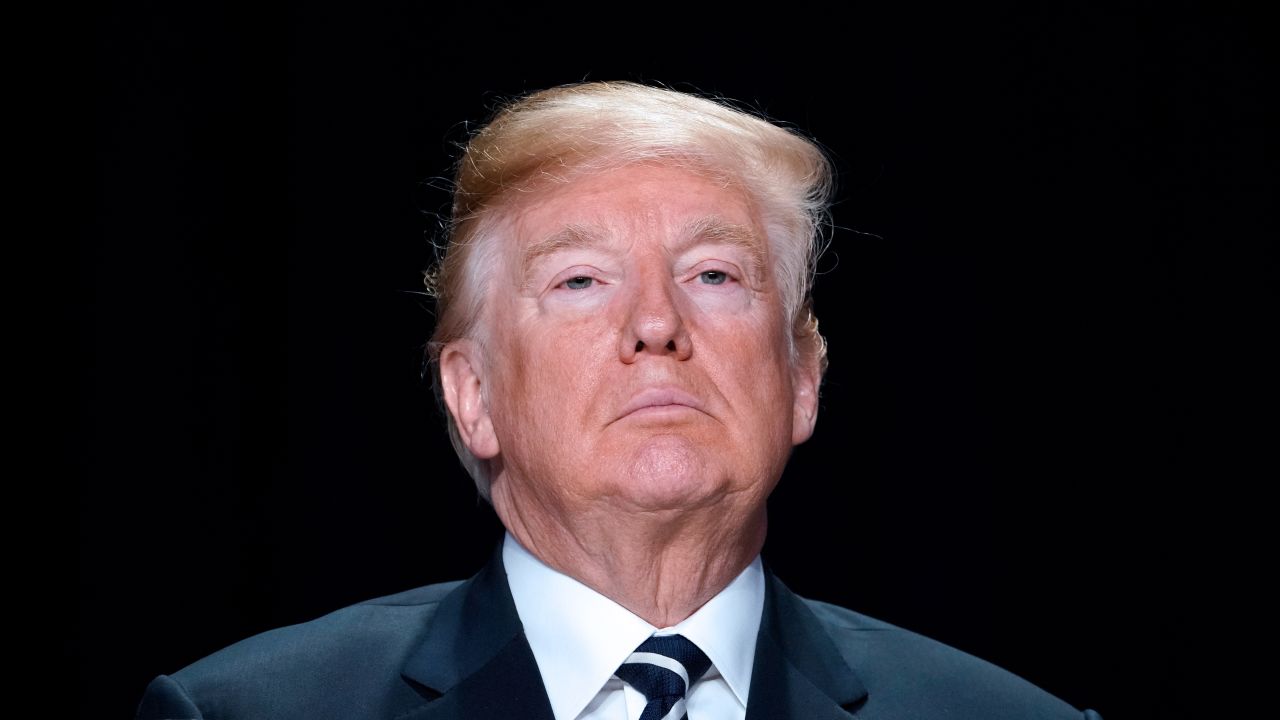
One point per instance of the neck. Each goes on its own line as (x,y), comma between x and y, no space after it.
(660,565)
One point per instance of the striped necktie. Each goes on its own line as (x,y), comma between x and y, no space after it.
(663,668)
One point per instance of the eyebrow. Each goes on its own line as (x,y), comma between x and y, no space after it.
(709,230)
(715,231)
(568,238)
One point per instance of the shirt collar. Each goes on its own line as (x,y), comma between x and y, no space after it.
(580,637)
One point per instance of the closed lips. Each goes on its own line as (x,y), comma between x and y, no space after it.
(659,397)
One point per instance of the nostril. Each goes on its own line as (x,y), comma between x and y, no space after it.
(671,345)
(639,345)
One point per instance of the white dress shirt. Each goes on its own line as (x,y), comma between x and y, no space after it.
(580,637)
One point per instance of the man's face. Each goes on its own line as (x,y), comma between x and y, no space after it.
(635,354)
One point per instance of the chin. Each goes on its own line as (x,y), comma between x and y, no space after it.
(669,472)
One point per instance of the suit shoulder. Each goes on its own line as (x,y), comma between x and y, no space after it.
(897,663)
(425,595)
(834,616)
(370,622)
(341,654)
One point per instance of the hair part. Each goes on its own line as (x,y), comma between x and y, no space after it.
(555,135)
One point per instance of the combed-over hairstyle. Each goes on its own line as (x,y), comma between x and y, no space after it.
(553,135)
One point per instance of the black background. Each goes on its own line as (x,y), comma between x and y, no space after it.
(1043,305)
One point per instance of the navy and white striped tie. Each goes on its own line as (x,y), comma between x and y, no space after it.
(663,668)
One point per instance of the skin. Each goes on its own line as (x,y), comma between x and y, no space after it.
(634,391)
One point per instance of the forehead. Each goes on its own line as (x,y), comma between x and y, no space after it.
(635,198)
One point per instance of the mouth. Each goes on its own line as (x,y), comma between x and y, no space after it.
(660,402)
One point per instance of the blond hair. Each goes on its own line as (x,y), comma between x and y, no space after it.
(552,135)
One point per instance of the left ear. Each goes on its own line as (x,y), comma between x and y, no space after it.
(806,376)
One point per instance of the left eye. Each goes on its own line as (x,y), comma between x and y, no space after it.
(713,277)
(580,282)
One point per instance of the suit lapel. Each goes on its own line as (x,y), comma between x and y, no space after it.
(474,661)
(798,671)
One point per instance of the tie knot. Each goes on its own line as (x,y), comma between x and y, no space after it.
(663,668)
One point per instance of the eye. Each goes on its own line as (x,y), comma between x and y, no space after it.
(713,277)
(581,282)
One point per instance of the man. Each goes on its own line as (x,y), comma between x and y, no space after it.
(627,356)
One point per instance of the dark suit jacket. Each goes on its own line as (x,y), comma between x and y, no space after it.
(457,650)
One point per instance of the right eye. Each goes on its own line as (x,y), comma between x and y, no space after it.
(581,282)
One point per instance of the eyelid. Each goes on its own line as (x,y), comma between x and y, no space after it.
(725,267)
(576,271)
(574,278)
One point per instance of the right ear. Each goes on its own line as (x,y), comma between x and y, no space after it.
(462,379)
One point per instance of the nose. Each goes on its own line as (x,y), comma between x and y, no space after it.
(654,324)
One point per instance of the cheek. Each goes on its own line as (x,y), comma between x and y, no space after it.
(753,368)
(552,370)
(740,335)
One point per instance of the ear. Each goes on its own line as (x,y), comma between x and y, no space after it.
(806,377)
(462,380)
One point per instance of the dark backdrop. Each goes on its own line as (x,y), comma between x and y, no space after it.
(1050,233)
